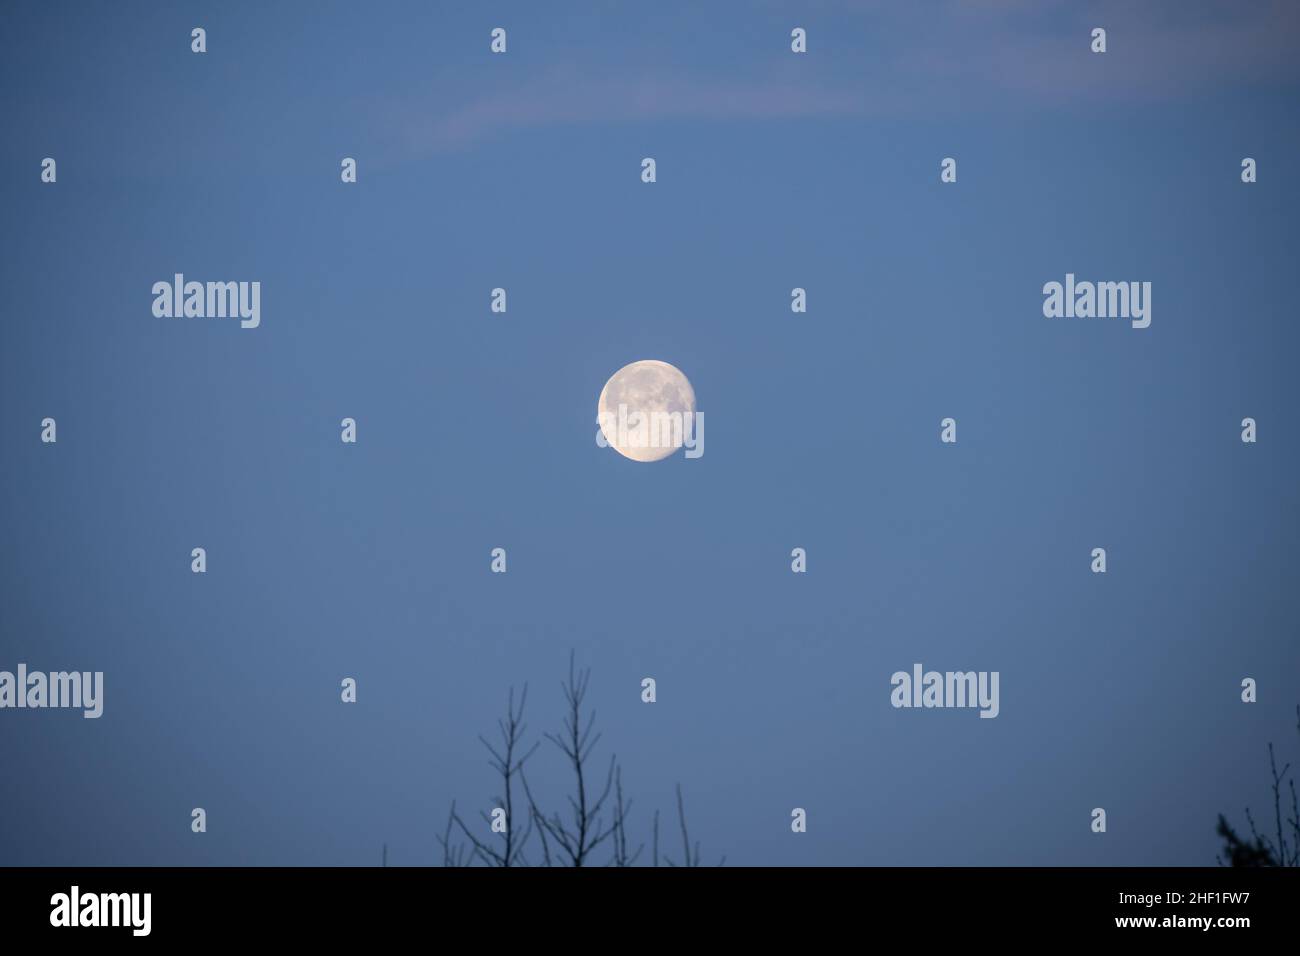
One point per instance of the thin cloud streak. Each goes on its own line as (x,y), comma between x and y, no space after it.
(561,98)
(967,56)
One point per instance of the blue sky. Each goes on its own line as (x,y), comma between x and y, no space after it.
(477,430)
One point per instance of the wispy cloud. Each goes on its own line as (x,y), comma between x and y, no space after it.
(562,96)
(919,59)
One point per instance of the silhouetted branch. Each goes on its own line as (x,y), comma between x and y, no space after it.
(507,763)
(453,854)
(578,740)
(1261,850)
(621,810)
(507,767)
(1277,803)
(568,839)
(691,851)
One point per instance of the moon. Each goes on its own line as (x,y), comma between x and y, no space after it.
(647,389)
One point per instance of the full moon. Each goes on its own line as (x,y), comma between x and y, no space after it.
(648,391)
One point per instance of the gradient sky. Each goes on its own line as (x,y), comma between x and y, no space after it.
(477,430)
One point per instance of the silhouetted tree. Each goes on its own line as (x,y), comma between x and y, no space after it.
(592,821)
(690,856)
(576,839)
(508,766)
(453,854)
(1262,850)
(621,809)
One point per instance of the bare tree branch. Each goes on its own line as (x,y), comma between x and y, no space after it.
(453,854)
(577,741)
(567,839)
(507,761)
(621,810)
(1261,850)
